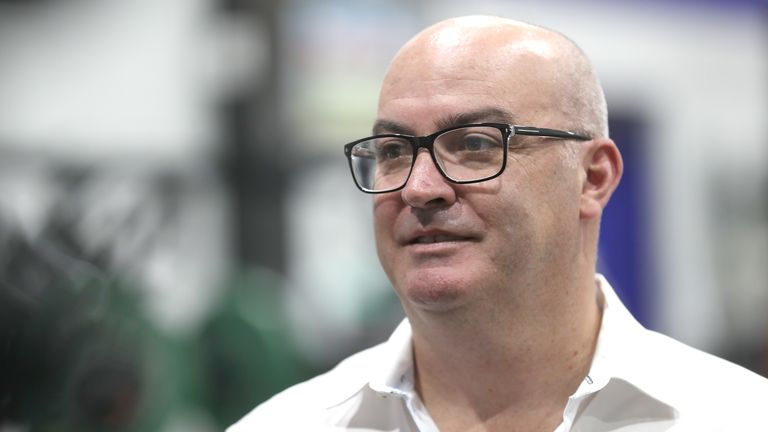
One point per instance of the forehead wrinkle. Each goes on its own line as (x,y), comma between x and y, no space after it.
(389,126)
(482,115)
(415,84)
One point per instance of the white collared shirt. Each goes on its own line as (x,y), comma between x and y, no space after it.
(639,381)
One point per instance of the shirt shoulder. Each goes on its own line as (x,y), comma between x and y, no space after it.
(683,362)
(689,380)
(305,406)
(700,385)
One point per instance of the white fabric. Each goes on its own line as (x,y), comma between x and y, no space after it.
(639,381)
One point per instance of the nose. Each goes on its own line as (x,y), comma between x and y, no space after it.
(426,187)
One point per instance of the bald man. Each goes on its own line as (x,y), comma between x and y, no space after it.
(490,164)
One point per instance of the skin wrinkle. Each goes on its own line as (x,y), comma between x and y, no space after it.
(482,115)
(502,313)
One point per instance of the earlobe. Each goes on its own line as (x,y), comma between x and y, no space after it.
(603,167)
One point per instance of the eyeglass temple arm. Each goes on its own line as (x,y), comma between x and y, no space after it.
(554,133)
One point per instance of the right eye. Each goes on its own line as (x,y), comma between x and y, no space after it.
(391,150)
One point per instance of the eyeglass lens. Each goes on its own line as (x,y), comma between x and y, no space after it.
(465,154)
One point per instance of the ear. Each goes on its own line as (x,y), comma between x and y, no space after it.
(602,165)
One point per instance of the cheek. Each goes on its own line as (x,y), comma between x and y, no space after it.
(530,210)
(559,212)
(564,194)
(549,187)
(385,211)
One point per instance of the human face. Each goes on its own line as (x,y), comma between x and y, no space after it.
(445,245)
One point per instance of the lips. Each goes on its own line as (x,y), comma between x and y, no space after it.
(436,236)
(445,227)
(429,239)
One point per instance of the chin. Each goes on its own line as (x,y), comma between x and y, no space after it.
(435,290)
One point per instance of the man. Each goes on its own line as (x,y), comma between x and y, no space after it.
(488,233)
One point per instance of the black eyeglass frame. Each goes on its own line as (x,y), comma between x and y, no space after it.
(428,142)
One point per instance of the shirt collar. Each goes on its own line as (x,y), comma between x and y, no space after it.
(396,376)
(623,345)
(615,319)
(390,372)
(618,356)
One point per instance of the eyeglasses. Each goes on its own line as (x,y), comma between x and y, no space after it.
(462,154)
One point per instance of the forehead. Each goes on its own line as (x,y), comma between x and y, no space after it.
(447,76)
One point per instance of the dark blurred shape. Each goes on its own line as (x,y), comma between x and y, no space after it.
(247,350)
(626,243)
(25,2)
(78,353)
(109,391)
(70,339)
(256,162)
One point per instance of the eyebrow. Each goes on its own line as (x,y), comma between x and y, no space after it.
(483,115)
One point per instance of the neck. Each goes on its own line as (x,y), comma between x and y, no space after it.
(478,367)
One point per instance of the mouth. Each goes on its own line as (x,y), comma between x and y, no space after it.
(437,236)
(431,239)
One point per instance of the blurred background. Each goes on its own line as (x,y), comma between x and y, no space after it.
(180,237)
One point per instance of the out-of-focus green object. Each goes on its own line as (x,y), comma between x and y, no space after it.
(74,346)
(247,350)
(78,353)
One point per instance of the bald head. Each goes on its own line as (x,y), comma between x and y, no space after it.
(515,61)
